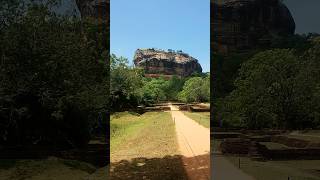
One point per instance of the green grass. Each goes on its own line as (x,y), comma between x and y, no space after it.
(308,135)
(122,126)
(202,118)
(272,145)
(7,163)
(151,134)
(307,138)
(144,146)
(279,170)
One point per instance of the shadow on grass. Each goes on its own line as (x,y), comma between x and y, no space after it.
(167,168)
(95,154)
(7,163)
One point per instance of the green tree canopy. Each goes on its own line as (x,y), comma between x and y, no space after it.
(196,89)
(274,89)
(54,78)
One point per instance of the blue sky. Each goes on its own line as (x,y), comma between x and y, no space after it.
(306,15)
(165,24)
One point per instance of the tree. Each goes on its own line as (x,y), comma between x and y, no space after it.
(154,90)
(174,86)
(274,89)
(54,82)
(125,84)
(196,89)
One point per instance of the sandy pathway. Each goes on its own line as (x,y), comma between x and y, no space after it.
(194,145)
(224,170)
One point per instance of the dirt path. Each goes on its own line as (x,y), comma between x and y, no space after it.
(225,170)
(194,145)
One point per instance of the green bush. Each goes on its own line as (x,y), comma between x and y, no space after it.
(53,78)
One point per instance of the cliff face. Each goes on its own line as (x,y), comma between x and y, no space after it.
(244,24)
(159,62)
(67,8)
(78,8)
(93,8)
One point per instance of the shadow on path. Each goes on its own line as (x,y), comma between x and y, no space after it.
(166,168)
(225,170)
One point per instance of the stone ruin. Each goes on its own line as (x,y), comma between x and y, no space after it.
(257,146)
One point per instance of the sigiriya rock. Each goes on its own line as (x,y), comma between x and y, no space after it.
(157,63)
(246,24)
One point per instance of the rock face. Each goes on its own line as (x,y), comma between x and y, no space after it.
(245,24)
(158,62)
(93,8)
(66,8)
(78,8)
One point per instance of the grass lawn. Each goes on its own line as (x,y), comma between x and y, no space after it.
(310,138)
(272,145)
(144,147)
(279,170)
(308,135)
(122,126)
(151,134)
(202,118)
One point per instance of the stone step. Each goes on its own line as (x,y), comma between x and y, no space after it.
(254,151)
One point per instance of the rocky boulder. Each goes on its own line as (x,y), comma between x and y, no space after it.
(246,24)
(159,62)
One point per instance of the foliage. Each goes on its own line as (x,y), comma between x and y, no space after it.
(225,71)
(130,88)
(173,87)
(125,84)
(154,90)
(54,79)
(196,89)
(158,89)
(270,87)
(275,89)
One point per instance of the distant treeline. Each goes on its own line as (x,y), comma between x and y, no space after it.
(277,87)
(129,87)
(53,77)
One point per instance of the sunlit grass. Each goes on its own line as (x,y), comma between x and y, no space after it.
(148,135)
(202,118)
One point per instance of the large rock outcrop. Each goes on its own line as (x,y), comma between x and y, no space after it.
(94,8)
(245,24)
(98,9)
(66,8)
(158,62)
